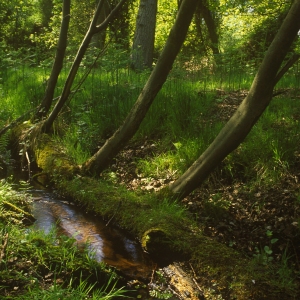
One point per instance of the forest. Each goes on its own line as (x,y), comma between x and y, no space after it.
(149,149)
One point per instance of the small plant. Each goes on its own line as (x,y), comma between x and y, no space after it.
(158,290)
(84,290)
(264,255)
(160,294)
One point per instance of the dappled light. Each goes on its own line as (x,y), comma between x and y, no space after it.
(164,138)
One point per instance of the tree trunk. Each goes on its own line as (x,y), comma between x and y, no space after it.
(45,105)
(143,44)
(103,157)
(93,29)
(240,124)
(98,39)
(211,24)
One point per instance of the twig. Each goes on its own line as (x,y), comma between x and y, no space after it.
(194,279)
(175,293)
(15,122)
(152,276)
(14,207)
(192,269)
(28,161)
(286,67)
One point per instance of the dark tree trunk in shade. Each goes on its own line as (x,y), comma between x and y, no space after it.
(143,43)
(93,29)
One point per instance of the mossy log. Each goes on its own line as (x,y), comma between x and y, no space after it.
(51,157)
(153,238)
(17,209)
(161,234)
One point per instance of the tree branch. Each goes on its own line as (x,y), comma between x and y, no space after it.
(111,15)
(15,122)
(286,67)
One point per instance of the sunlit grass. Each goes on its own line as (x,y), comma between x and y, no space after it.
(180,116)
(31,256)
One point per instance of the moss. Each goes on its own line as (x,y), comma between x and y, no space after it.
(18,210)
(50,157)
(157,221)
(165,235)
(153,238)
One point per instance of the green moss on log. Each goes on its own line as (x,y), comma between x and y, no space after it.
(51,157)
(155,221)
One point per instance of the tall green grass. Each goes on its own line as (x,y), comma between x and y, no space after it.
(180,116)
(32,256)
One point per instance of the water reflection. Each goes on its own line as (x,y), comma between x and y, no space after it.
(105,243)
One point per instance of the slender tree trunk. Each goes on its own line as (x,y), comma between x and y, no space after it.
(211,25)
(98,39)
(103,157)
(93,29)
(247,114)
(45,105)
(143,43)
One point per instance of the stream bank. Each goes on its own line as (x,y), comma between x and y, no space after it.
(56,219)
(162,226)
(104,242)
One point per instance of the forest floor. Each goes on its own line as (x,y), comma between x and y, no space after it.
(258,220)
(261,221)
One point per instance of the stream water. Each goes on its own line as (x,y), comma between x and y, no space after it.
(106,243)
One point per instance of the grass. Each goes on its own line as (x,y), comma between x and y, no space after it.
(180,117)
(83,290)
(35,265)
(182,123)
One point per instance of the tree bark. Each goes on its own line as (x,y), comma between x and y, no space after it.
(247,114)
(93,29)
(113,145)
(98,39)
(143,43)
(45,105)
(211,24)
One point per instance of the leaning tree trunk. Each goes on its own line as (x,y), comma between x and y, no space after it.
(112,146)
(45,105)
(240,124)
(93,29)
(143,43)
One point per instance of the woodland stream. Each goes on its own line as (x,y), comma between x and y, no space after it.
(105,242)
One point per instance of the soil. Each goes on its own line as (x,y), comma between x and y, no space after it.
(255,220)
(246,218)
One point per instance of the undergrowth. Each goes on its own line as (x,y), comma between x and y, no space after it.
(182,121)
(36,265)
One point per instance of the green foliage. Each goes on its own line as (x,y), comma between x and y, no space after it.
(30,256)
(4,140)
(160,294)
(261,37)
(18,20)
(17,208)
(23,89)
(83,290)
(269,138)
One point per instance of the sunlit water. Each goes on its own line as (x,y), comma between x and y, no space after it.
(105,243)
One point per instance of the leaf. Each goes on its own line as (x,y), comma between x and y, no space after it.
(177,145)
(268,250)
